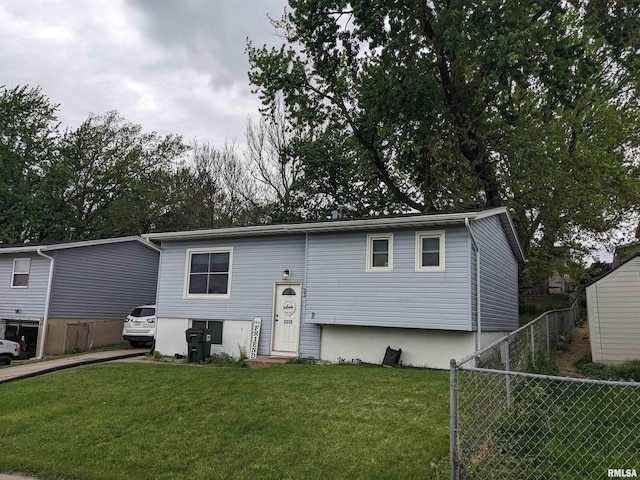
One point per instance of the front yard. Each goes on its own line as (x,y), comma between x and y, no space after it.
(144,420)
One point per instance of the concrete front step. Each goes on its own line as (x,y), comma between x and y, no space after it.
(266,362)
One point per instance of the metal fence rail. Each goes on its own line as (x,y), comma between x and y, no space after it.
(510,423)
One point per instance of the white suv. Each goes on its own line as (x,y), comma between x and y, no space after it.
(140,326)
(8,351)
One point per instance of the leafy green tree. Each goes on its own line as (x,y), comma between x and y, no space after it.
(112,177)
(452,105)
(28,134)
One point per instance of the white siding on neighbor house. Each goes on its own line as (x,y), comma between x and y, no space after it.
(341,292)
(498,277)
(613,309)
(257,264)
(30,300)
(103,281)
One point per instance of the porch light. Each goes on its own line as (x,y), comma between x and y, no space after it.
(286,274)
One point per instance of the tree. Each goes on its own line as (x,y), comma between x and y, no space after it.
(111,176)
(273,165)
(28,134)
(452,105)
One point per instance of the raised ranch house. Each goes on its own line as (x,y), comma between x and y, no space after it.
(434,285)
(613,312)
(74,295)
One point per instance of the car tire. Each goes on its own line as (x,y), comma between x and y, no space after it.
(4,360)
(137,343)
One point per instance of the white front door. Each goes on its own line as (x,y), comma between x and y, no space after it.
(286,321)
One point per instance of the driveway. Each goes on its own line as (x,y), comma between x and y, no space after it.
(32,368)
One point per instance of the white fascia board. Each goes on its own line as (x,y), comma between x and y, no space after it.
(88,243)
(328,226)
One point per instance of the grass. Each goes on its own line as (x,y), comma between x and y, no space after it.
(161,421)
(554,430)
(628,371)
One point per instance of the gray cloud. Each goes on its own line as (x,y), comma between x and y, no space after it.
(172,66)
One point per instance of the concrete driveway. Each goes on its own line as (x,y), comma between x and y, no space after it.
(32,368)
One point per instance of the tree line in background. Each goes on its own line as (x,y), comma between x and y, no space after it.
(110,178)
(384,107)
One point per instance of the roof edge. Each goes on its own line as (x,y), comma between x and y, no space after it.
(84,243)
(606,274)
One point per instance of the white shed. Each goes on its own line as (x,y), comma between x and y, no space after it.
(613,309)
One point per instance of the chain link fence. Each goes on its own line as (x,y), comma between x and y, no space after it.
(508,422)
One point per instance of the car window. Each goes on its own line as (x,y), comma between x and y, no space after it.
(143,312)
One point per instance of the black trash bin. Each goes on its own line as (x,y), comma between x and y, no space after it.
(198,344)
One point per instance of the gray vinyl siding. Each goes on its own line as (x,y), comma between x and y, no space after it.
(613,306)
(103,281)
(498,277)
(340,291)
(257,264)
(30,300)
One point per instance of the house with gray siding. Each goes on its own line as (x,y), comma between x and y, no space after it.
(74,295)
(613,313)
(436,285)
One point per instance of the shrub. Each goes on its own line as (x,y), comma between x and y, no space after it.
(225,360)
(302,361)
(628,371)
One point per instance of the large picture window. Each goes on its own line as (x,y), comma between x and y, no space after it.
(380,253)
(430,251)
(20,274)
(208,273)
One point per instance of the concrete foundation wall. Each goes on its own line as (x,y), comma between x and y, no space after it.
(420,348)
(170,337)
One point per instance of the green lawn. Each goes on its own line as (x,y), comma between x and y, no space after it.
(146,420)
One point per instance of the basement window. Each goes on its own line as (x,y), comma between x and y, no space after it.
(214,325)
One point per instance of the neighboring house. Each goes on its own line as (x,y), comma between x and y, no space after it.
(613,309)
(346,288)
(626,251)
(559,283)
(77,293)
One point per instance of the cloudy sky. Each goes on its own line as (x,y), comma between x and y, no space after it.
(173,66)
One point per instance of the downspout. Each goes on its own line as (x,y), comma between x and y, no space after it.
(478,309)
(45,319)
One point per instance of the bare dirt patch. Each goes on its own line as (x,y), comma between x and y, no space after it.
(577,349)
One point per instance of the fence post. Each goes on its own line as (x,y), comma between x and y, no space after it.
(546,317)
(555,317)
(507,376)
(453,416)
(533,346)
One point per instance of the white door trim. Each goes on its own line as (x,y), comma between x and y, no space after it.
(273,319)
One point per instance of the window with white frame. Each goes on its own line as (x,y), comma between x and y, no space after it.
(380,253)
(20,274)
(430,251)
(214,325)
(208,273)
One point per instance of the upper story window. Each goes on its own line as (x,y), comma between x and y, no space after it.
(20,274)
(208,273)
(380,253)
(430,251)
